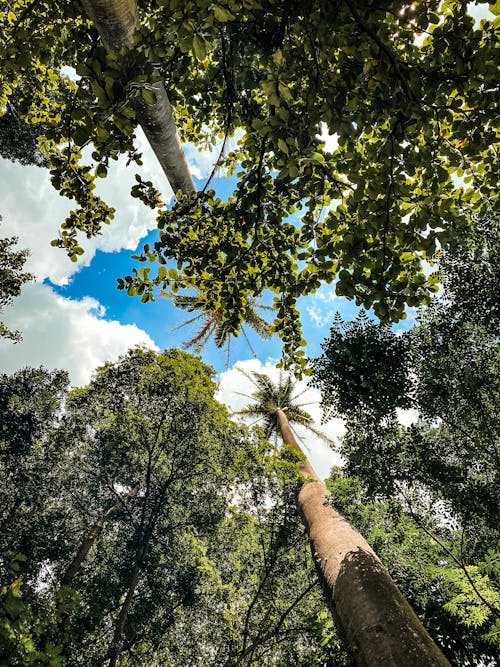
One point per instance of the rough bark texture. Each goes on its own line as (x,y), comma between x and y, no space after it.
(378,625)
(117,22)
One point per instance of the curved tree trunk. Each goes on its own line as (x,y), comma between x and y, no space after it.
(377,623)
(91,536)
(117,22)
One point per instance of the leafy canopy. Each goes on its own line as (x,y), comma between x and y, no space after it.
(12,278)
(364,368)
(212,525)
(442,471)
(408,90)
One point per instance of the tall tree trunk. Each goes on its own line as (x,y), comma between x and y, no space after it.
(90,537)
(377,623)
(117,22)
(117,641)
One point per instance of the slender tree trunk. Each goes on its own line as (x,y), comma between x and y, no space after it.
(116,644)
(117,22)
(377,623)
(90,537)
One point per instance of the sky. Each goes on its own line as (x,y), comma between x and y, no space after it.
(72,316)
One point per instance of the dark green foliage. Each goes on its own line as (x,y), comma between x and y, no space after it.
(443,471)
(363,370)
(22,629)
(471,275)
(430,561)
(199,555)
(458,384)
(18,139)
(29,403)
(12,279)
(415,120)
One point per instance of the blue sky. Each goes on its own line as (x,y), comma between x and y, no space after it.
(73,317)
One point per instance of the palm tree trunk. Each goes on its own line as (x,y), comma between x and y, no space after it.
(117,22)
(377,623)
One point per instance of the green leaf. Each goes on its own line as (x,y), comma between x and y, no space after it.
(284,91)
(222,14)
(495,8)
(199,47)
(83,70)
(278,57)
(283,146)
(148,96)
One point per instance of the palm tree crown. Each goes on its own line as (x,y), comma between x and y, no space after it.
(212,323)
(269,397)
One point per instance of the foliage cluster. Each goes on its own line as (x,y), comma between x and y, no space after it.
(12,278)
(139,525)
(440,475)
(19,140)
(408,91)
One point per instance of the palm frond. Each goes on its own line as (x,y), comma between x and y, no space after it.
(218,328)
(221,334)
(249,411)
(191,320)
(269,396)
(257,322)
(198,340)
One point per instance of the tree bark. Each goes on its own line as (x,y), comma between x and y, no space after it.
(90,537)
(117,22)
(377,623)
(116,644)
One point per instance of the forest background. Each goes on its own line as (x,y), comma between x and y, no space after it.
(73,303)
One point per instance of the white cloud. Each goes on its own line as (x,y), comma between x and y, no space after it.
(33,211)
(320,308)
(407,417)
(479,12)
(319,317)
(331,141)
(62,333)
(232,384)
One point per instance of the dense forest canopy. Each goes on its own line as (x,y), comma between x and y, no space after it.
(440,475)
(139,523)
(141,526)
(409,91)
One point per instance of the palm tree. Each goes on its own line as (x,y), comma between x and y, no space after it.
(117,22)
(212,323)
(372,615)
